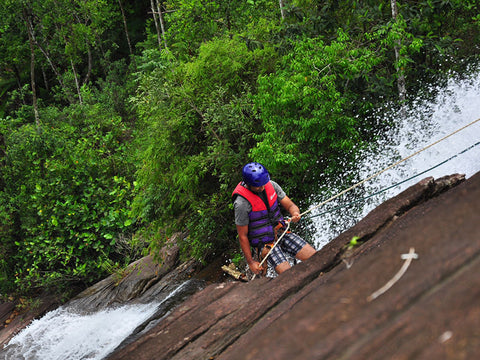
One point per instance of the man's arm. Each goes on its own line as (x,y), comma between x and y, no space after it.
(245,245)
(293,209)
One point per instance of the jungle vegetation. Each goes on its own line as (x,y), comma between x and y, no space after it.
(122,122)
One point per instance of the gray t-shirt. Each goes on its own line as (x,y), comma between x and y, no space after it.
(242,207)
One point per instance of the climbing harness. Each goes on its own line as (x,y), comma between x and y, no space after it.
(287,221)
(272,245)
(374,176)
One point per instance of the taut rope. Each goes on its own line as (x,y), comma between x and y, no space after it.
(364,181)
(387,168)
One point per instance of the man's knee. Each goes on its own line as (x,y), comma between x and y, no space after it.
(282,267)
(305,253)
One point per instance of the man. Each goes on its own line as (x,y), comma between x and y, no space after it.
(257,203)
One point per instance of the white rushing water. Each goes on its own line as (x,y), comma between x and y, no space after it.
(69,334)
(424,123)
(65,334)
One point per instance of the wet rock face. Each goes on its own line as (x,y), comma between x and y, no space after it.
(132,283)
(323,309)
(6,310)
(145,280)
(15,319)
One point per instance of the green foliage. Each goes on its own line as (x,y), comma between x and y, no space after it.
(200,123)
(446,28)
(193,22)
(308,106)
(66,37)
(354,242)
(171,129)
(67,197)
(238,259)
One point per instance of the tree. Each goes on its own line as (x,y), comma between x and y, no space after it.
(401,77)
(191,22)
(308,107)
(282,8)
(157,14)
(65,34)
(199,126)
(29,26)
(65,197)
(127,36)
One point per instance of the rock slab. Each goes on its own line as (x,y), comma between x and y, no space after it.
(322,308)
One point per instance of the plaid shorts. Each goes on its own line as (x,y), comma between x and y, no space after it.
(290,244)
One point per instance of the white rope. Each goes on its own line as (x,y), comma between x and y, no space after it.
(364,181)
(408,259)
(388,168)
(273,247)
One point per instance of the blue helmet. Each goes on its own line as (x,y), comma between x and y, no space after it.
(255,174)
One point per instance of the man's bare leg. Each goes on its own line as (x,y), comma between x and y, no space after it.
(282,267)
(306,252)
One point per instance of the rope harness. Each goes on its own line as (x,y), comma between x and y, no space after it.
(373,176)
(287,221)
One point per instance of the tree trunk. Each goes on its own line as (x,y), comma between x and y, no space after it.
(282,10)
(77,83)
(32,70)
(162,24)
(52,65)
(125,27)
(400,74)
(154,13)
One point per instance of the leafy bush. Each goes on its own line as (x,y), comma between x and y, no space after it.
(67,191)
(237,83)
(309,106)
(199,124)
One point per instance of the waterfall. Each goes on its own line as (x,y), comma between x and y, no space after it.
(69,333)
(65,334)
(420,124)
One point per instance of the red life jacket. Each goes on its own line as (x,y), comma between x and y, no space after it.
(263,218)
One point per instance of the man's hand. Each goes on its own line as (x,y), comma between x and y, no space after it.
(296,217)
(255,267)
(245,245)
(291,208)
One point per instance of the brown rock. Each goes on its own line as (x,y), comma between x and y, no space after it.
(131,283)
(5,310)
(319,308)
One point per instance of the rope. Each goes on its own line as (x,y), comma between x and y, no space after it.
(273,247)
(397,184)
(388,168)
(373,176)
